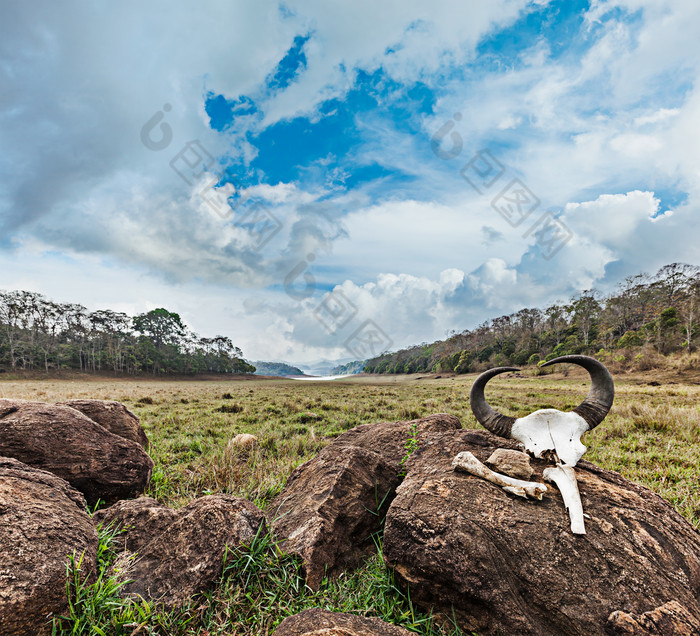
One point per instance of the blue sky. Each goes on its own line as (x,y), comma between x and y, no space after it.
(421,166)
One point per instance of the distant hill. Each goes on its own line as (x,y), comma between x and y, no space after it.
(275,368)
(633,327)
(349,368)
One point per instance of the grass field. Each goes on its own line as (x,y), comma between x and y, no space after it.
(651,436)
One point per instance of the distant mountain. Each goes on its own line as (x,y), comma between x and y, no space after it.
(323,366)
(275,368)
(350,368)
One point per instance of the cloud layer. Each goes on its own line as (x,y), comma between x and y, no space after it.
(319,118)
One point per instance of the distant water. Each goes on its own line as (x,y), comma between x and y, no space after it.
(319,378)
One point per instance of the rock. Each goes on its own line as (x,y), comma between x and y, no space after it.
(177,560)
(242,440)
(43,521)
(140,520)
(389,438)
(67,443)
(331,507)
(512,566)
(114,416)
(671,619)
(318,622)
(511,462)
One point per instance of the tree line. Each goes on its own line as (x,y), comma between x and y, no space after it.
(39,334)
(647,316)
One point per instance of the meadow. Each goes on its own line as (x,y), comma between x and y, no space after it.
(652,436)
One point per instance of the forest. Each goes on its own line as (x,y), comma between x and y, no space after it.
(37,334)
(646,319)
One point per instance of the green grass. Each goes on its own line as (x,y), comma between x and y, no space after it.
(261,585)
(651,436)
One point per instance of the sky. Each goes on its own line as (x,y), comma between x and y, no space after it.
(325,181)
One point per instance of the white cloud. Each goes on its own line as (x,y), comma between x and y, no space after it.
(660,115)
(612,219)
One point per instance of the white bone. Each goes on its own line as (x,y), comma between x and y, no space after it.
(565,479)
(551,430)
(467,462)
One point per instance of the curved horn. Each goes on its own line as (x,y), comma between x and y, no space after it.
(487,416)
(600,398)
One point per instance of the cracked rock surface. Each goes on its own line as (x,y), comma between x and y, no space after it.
(512,566)
(43,521)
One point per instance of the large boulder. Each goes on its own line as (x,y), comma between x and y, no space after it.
(171,555)
(114,416)
(331,507)
(319,622)
(139,521)
(671,619)
(389,438)
(43,521)
(512,566)
(67,443)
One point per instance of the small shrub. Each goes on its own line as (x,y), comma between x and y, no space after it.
(305,418)
(407,413)
(230,408)
(147,399)
(534,359)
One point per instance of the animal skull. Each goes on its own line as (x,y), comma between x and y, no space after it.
(553,434)
(550,433)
